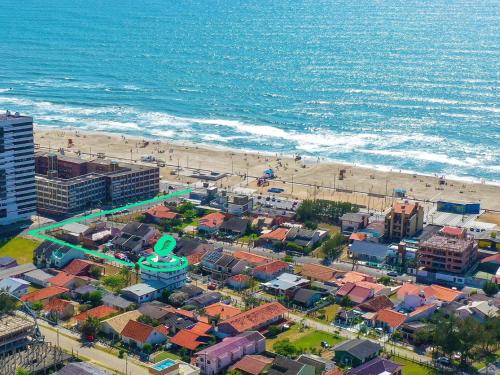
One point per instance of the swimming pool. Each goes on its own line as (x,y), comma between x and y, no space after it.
(164,364)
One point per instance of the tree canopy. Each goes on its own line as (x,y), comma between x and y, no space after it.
(325,211)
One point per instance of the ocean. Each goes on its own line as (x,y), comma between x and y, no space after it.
(410,85)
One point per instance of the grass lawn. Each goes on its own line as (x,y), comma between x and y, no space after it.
(306,339)
(19,248)
(164,355)
(330,313)
(413,368)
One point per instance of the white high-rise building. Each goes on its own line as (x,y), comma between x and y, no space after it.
(17,168)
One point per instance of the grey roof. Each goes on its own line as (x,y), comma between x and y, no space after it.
(205,299)
(46,249)
(154,311)
(189,246)
(286,281)
(235,224)
(75,228)
(303,295)
(191,290)
(116,301)
(17,270)
(84,289)
(355,217)
(369,248)
(38,274)
(13,283)
(142,289)
(316,361)
(359,348)
(286,366)
(136,229)
(5,261)
(81,368)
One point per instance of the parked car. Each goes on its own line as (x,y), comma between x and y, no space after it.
(392,274)
(212,286)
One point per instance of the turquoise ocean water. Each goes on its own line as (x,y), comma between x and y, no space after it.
(412,85)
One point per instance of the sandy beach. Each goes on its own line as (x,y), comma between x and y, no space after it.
(300,178)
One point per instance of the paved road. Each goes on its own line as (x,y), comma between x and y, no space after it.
(107,361)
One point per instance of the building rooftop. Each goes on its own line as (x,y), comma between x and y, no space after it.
(140,332)
(99,312)
(44,293)
(222,310)
(358,348)
(447,243)
(392,318)
(271,267)
(379,366)
(12,324)
(256,316)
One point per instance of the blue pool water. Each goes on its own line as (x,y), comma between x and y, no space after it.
(164,364)
(412,84)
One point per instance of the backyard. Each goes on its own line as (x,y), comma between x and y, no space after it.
(19,248)
(413,368)
(304,339)
(164,355)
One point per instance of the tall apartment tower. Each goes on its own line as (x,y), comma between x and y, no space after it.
(17,168)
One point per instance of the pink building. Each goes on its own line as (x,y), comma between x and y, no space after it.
(219,357)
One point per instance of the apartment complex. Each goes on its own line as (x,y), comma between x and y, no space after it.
(67,185)
(17,170)
(450,250)
(404,220)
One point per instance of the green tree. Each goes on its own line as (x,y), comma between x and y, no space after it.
(386,280)
(468,334)
(147,348)
(95,272)
(22,371)
(90,327)
(93,299)
(178,298)
(7,303)
(234,372)
(288,258)
(285,348)
(37,306)
(490,288)
(332,247)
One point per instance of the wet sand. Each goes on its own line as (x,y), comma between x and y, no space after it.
(310,177)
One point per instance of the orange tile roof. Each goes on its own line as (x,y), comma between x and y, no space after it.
(251,258)
(421,309)
(255,317)
(186,313)
(222,310)
(162,212)
(137,331)
(38,295)
(188,339)
(78,266)
(212,220)
(201,328)
(56,305)
(318,272)
(354,277)
(453,231)
(271,267)
(279,234)
(405,208)
(252,364)
(335,372)
(445,294)
(391,317)
(99,312)
(440,292)
(357,236)
(376,287)
(61,279)
(240,278)
(195,258)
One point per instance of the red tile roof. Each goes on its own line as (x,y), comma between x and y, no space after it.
(317,272)
(255,317)
(271,267)
(492,258)
(222,310)
(61,279)
(38,295)
(99,312)
(188,339)
(201,328)
(422,309)
(186,313)
(252,364)
(137,331)
(279,234)
(405,208)
(162,212)
(392,318)
(56,305)
(240,278)
(356,294)
(250,257)
(212,220)
(357,236)
(440,292)
(78,267)
(376,304)
(453,231)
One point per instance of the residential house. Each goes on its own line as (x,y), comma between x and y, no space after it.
(15,286)
(355,352)
(413,295)
(144,292)
(239,282)
(82,267)
(116,302)
(253,364)
(286,366)
(253,319)
(404,220)
(272,238)
(235,226)
(192,248)
(67,280)
(285,284)
(7,262)
(72,232)
(263,222)
(59,309)
(306,297)
(356,294)
(192,338)
(140,334)
(238,204)
(191,290)
(316,272)
(376,304)
(205,299)
(410,330)
(370,252)
(134,237)
(81,368)
(211,222)
(159,213)
(222,264)
(251,258)
(305,237)
(17,271)
(98,235)
(478,310)
(389,320)
(114,326)
(100,312)
(44,295)
(377,366)
(218,357)
(50,254)
(221,311)
(320,364)
(78,293)
(421,312)
(270,270)
(352,222)
(38,277)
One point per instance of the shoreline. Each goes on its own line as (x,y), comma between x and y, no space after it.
(309,177)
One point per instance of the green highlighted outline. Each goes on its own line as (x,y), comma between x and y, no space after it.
(163,247)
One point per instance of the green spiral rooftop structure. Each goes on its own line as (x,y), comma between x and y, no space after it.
(163,248)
